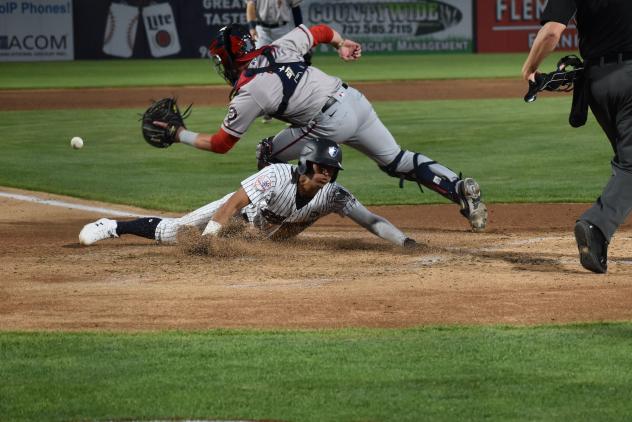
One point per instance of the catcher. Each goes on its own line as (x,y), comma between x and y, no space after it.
(275,80)
(280,200)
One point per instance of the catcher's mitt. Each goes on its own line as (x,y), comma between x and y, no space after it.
(569,69)
(165,110)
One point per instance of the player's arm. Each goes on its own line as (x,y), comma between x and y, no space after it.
(544,44)
(220,142)
(379,226)
(223,215)
(251,18)
(347,49)
(242,111)
(554,20)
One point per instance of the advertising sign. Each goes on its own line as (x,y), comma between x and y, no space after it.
(160,26)
(511,26)
(120,30)
(398,26)
(184,28)
(36,30)
(210,16)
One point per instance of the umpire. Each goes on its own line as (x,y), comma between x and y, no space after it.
(605,43)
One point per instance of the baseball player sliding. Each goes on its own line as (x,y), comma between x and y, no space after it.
(274,80)
(280,200)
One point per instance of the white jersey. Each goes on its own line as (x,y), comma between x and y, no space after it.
(275,12)
(264,92)
(273,206)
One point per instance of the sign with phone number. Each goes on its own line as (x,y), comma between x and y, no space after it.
(392,25)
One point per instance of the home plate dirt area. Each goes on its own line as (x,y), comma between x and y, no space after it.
(523,270)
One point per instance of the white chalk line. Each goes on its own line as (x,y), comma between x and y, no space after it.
(64,204)
(424,261)
(429,261)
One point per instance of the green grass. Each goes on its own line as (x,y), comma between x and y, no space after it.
(579,373)
(372,67)
(519,152)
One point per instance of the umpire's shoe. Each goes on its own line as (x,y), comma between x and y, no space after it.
(593,247)
(472,207)
(99,230)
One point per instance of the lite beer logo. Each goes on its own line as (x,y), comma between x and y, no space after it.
(161,30)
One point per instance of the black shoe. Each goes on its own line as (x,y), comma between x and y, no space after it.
(593,247)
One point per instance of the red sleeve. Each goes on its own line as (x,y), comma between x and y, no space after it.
(322,34)
(222,142)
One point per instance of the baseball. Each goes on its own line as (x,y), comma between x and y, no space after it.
(76,142)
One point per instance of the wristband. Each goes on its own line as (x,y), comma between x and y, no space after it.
(252,24)
(339,46)
(187,137)
(212,228)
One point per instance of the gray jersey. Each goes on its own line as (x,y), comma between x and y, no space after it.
(264,92)
(273,208)
(275,11)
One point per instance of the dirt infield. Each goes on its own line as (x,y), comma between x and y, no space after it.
(218,95)
(523,270)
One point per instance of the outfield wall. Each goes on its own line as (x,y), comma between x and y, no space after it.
(511,26)
(117,29)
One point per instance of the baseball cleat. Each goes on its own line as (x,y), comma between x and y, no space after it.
(472,207)
(99,230)
(593,247)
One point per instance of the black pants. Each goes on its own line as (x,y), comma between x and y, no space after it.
(610,99)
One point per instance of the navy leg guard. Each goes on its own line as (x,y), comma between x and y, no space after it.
(423,175)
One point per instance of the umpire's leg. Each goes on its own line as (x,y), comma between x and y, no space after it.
(611,103)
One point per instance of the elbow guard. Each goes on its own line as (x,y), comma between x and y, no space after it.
(222,142)
(322,34)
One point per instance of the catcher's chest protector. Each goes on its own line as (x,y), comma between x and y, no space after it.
(290,75)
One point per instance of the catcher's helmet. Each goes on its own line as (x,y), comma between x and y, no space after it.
(229,48)
(323,152)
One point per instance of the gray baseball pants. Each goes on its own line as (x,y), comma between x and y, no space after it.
(352,121)
(610,100)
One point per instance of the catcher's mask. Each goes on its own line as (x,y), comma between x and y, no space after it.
(230,49)
(323,152)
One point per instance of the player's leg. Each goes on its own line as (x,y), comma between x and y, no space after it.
(611,104)
(167,229)
(106,228)
(284,146)
(164,230)
(375,140)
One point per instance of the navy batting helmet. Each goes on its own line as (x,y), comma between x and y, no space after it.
(229,49)
(323,152)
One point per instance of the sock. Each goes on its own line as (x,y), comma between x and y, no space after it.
(144,227)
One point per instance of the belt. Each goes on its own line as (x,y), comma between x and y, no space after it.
(272,25)
(610,59)
(332,100)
